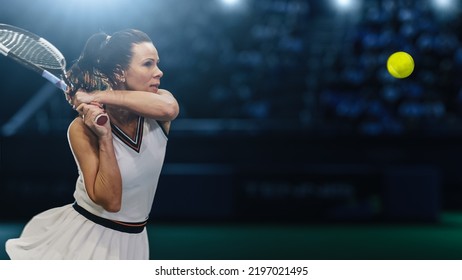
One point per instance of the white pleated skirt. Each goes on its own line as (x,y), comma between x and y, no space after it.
(62,233)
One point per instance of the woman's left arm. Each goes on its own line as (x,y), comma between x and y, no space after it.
(161,106)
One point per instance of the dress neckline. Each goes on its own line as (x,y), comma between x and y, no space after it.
(133,143)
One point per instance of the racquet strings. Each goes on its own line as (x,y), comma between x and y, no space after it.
(35,51)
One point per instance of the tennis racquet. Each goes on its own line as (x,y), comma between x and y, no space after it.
(38,55)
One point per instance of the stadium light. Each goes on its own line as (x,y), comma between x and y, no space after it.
(345,5)
(446,7)
(230,2)
(233,5)
(444,4)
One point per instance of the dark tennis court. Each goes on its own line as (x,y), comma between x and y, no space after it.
(311,242)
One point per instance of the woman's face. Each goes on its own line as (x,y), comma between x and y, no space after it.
(143,73)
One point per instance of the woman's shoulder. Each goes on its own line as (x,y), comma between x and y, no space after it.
(76,126)
(79,131)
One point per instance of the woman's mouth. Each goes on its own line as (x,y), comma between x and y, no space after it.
(154,87)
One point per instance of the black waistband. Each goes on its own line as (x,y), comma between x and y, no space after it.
(115,225)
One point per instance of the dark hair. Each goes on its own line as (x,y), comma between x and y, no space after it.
(102,57)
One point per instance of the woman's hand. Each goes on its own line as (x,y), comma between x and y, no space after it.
(89,113)
(83,97)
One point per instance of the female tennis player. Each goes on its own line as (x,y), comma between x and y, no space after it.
(119,163)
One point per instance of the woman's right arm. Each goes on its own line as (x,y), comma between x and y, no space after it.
(93,148)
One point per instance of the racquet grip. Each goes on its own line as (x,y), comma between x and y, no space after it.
(101,119)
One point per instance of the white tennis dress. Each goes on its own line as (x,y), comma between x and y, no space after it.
(64,233)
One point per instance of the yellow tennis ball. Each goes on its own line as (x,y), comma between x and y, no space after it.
(400,65)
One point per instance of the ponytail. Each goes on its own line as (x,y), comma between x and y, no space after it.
(85,73)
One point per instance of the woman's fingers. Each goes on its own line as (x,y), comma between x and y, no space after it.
(90,111)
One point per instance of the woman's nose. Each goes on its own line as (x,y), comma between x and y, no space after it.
(158,73)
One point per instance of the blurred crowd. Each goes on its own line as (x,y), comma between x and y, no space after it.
(294,61)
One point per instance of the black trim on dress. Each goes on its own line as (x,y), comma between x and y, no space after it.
(115,225)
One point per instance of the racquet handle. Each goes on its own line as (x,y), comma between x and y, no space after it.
(101,119)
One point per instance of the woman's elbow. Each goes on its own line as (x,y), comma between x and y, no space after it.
(171,111)
(112,207)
